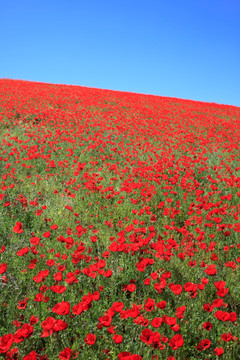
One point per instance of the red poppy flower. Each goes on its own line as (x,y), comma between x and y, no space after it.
(58,276)
(24,332)
(149,305)
(180,312)
(23,251)
(50,262)
(176,289)
(47,234)
(77,309)
(18,228)
(190,287)
(90,339)
(33,320)
(146,336)
(205,343)
(60,325)
(62,308)
(65,354)
(226,337)
(219,351)
(96,295)
(117,306)
(6,342)
(208,326)
(232,316)
(161,305)
(169,320)
(105,320)
(176,342)
(22,304)
(34,240)
(131,287)
(156,322)
(48,323)
(219,284)
(222,315)
(211,270)
(125,355)
(117,338)
(59,289)
(3,268)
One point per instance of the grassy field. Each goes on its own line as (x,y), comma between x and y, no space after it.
(119,225)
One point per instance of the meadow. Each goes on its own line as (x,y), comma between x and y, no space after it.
(119,225)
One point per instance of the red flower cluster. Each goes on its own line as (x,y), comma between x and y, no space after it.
(51,325)
(121,219)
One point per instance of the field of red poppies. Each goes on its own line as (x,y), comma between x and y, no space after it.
(119,225)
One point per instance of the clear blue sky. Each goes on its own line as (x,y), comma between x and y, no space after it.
(186,49)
